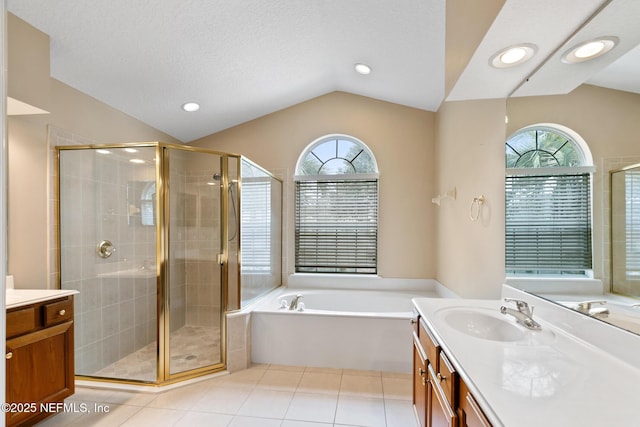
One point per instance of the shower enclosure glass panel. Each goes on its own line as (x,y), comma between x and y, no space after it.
(195,285)
(108,252)
(260,231)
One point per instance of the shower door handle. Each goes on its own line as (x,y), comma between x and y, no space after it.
(220,259)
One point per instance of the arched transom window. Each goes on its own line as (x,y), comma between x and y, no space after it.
(336,207)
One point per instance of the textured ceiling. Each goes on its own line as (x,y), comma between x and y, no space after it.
(244,59)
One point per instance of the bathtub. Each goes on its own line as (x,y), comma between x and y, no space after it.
(351,329)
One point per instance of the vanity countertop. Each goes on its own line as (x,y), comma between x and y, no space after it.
(20,297)
(559,381)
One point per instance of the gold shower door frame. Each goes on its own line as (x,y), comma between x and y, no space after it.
(164,375)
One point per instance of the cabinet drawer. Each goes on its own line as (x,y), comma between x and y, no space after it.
(21,321)
(429,344)
(58,312)
(447,378)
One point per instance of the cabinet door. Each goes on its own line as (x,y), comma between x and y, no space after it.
(419,385)
(470,413)
(39,368)
(441,413)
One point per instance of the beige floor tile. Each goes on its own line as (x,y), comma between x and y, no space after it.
(280,380)
(154,417)
(400,413)
(242,421)
(286,368)
(204,419)
(266,404)
(117,415)
(397,388)
(182,398)
(360,411)
(247,377)
(312,407)
(222,399)
(293,423)
(312,369)
(361,372)
(317,382)
(361,385)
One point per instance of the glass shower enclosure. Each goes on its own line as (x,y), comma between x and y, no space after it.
(151,235)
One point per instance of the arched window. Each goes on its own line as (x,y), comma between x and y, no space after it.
(336,207)
(548,202)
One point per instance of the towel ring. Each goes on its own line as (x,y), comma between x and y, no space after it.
(477,201)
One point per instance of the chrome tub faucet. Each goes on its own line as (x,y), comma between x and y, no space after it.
(523,314)
(585,307)
(294,302)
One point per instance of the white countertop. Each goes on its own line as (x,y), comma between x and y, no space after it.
(19,297)
(563,381)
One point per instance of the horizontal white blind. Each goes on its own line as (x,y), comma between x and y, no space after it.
(255,242)
(548,224)
(337,226)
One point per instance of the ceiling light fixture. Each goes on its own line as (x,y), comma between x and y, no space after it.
(190,106)
(589,50)
(513,55)
(363,69)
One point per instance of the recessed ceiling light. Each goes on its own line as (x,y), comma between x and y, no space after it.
(139,161)
(362,68)
(191,106)
(589,50)
(130,150)
(103,151)
(513,55)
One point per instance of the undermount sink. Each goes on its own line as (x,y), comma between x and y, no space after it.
(481,324)
(487,324)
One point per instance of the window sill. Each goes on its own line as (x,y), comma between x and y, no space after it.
(557,285)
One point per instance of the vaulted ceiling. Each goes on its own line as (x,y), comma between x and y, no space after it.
(243,59)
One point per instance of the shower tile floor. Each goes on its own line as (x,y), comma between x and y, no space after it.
(261,396)
(191,347)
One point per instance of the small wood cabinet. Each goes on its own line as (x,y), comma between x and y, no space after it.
(440,397)
(39,359)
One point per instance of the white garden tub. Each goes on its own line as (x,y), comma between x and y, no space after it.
(351,329)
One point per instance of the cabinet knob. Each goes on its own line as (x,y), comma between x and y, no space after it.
(414,321)
(441,377)
(421,371)
(8,355)
(62,312)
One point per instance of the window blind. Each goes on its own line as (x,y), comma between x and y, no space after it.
(548,224)
(255,241)
(336,226)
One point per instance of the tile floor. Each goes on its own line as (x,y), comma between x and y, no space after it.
(261,396)
(195,346)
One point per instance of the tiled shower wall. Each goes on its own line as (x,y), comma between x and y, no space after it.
(116,313)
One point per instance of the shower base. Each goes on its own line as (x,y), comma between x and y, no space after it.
(192,347)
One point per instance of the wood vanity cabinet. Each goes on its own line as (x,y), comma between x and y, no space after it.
(440,397)
(39,359)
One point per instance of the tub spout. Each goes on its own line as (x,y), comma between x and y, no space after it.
(294,302)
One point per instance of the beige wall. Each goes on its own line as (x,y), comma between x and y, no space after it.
(470,158)
(401,138)
(608,120)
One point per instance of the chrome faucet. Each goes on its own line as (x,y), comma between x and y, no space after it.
(523,314)
(585,307)
(294,302)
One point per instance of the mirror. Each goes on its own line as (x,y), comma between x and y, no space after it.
(605,115)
